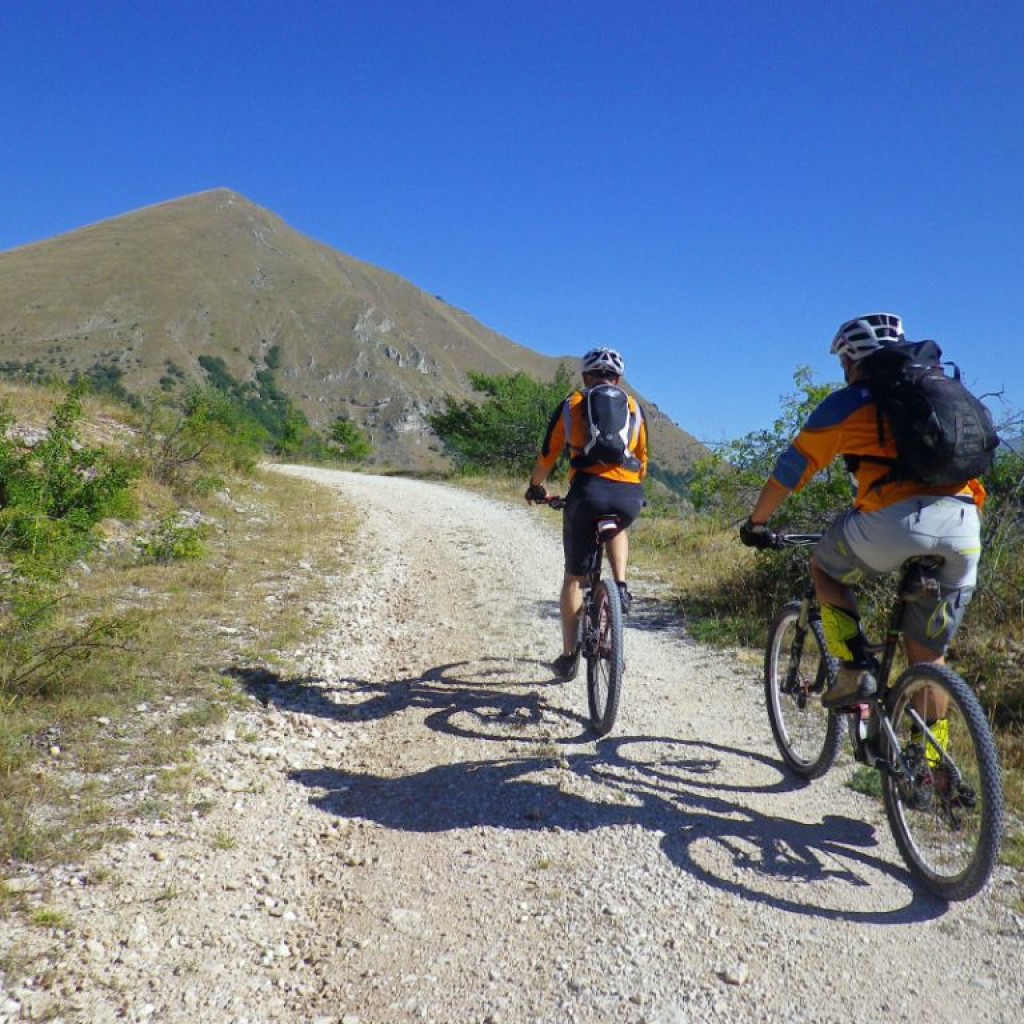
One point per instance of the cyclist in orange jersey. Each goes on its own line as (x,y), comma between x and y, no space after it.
(890,521)
(596,488)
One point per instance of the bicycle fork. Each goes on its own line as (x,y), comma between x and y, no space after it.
(795,683)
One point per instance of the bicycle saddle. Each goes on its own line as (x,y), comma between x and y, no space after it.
(920,576)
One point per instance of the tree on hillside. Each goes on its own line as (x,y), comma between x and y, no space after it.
(502,432)
(263,404)
(350,440)
(727,481)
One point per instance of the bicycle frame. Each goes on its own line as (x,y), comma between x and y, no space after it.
(886,651)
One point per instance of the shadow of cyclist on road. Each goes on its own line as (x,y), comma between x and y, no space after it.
(680,789)
(675,789)
(490,698)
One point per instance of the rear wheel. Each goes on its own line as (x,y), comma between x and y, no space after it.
(797,671)
(945,805)
(604,657)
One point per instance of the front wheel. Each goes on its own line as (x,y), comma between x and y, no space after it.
(797,670)
(943,794)
(604,653)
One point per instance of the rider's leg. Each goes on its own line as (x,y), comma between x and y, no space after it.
(930,703)
(569,605)
(831,591)
(931,622)
(840,619)
(838,565)
(916,653)
(617,552)
(845,641)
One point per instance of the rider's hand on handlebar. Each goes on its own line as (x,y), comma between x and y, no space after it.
(757,535)
(536,492)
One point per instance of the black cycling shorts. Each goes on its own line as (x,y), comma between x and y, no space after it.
(591,497)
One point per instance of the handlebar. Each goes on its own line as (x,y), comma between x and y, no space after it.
(795,540)
(555,501)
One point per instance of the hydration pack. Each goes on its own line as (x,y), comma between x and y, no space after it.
(943,434)
(611,429)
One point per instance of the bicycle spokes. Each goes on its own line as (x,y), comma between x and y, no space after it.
(941,785)
(796,672)
(603,647)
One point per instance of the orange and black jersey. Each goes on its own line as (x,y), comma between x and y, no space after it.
(568,429)
(846,423)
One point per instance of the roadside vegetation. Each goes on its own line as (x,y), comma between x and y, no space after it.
(124,530)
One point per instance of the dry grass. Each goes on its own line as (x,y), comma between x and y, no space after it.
(706,573)
(32,406)
(71,764)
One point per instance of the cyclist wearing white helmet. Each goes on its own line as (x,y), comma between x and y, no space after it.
(603,362)
(604,479)
(891,519)
(859,338)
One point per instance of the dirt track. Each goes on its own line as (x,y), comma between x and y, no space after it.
(423,830)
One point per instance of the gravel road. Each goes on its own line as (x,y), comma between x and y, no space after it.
(417,826)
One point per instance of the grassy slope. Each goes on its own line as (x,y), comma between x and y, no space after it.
(212,274)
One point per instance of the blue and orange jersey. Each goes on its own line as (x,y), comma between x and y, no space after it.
(846,423)
(567,429)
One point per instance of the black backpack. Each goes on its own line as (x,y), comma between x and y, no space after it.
(611,429)
(944,435)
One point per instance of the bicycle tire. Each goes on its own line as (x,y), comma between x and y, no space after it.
(605,657)
(949,838)
(797,670)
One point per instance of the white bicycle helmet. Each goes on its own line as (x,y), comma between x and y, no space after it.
(860,337)
(603,361)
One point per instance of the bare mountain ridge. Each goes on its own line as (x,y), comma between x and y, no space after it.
(152,291)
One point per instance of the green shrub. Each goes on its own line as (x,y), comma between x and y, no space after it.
(53,494)
(176,539)
(350,441)
(259,406)
(188,443)
(502,433)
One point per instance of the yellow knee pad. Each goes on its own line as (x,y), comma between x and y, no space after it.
(841,627)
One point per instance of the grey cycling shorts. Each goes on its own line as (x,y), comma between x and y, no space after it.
(863,545)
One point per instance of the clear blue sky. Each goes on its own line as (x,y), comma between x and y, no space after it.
(709,186)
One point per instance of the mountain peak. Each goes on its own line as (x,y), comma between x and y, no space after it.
(212,274)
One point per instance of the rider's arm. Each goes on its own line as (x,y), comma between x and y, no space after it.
(772,495)
(641,451)
(551,449)
(814,447)
(843,423)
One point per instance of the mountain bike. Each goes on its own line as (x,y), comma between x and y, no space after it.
(599,632)
(926,734)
